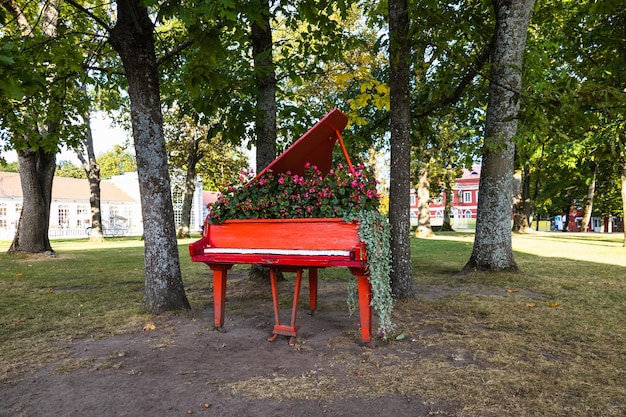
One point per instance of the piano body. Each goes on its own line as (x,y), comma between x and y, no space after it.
(291,245)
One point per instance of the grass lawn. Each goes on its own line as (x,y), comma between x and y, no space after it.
(547,341)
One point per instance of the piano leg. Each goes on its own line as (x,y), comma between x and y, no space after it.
(365,307)
(280,329)
(313,289)
(220,273)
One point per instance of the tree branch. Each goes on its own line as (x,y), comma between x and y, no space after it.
(90,14)
(171,53)
(480,62)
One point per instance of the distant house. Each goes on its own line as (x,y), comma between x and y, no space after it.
(464,200)
(465,204)
(70,212)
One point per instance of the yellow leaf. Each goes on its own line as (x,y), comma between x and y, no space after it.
(510,291)
(555,304)
(149,326)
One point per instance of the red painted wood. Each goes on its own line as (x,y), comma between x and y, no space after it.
(299,234)
(315,146)
(307,234)
(220,273)
(365,309)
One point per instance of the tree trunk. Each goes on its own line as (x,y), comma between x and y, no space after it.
(92,169)
(36,174)
(132,38)
(529,202)
(400,179)
(520,221)
(190,188)
(450,178)
(492,249)
(261,34)
(591,192)
(423,203)
(36,165)
(624,200)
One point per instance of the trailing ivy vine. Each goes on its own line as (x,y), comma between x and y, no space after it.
(375,232)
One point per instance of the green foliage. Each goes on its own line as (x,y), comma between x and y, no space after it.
(116,162)
(375,232)
(67,169)
(9,167)
(189,141)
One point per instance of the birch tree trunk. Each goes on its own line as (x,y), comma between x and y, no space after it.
(132,38)
(400,180)
(492,249)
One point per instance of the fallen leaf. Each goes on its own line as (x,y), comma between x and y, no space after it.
(149,326)
(530,305)
(207,405)
(555,304)
(510,291)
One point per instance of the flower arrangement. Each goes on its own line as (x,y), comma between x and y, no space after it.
(344,193)
(278,196)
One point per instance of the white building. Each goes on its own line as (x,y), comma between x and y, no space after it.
(70,212)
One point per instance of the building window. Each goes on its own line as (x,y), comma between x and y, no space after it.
(413,203)
(467,196)
(82,215)
(64,215)
(439,214)
(3,216)
(467,214)
(178,197)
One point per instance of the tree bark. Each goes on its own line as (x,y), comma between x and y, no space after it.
(261,34)
(36,174)
(423,204)
(36,165)
(529,205)
(92,169)
(190,187)
(400,179)
(446,226)
(591,192)
(624,200)
(492,249)
(520,221)
(132,38)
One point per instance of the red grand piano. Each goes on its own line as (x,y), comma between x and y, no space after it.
(291,245)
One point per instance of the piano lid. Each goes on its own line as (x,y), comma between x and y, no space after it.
(315,146)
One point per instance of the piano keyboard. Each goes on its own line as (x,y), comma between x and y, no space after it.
(302,252)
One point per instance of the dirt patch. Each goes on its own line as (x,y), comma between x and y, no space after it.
(183,366)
